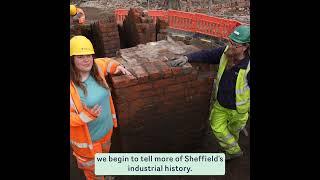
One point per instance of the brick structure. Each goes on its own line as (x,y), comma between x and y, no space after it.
(162,108)
(75,30)
(137,28)
(161,29)
(106,37)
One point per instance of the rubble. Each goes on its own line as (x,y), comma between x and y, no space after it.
(233,9)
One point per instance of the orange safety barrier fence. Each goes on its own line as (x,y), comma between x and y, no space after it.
(191,22)
(163,15)
(214,26)
(181,20)
(120,15)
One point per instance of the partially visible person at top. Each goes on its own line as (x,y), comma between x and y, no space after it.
(76,15)
(92,113)
(230,110)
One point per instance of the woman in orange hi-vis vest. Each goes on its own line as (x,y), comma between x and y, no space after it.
(92,113)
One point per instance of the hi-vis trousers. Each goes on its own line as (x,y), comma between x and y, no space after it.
(226,125)
(87,164)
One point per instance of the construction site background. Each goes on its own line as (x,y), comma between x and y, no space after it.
(158,96)
(231,9)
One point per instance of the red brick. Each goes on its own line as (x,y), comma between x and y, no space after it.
(109,53)
(177,71)
(190,77)
(204,75)
(133,89)
(197,83)
(124,107)
(204,90)
(171,96)
(123,81)
(211,79)
(140,87)
(164,68)
(119,99)
(200,82)
(129,96)
(139,104)
(175,88)
(115,50)
(164,82)
(152,92)
(123,115)
(141,74)
(164,109)
(112,44)
(153,71)
(191,91)
(108,46)
(176,103)
(123,118)
(108,38)
(110,34)
(141,27)
(187,68)
(101,24)
(108,25)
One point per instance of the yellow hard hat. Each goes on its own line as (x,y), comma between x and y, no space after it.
(80,45)
(73,10)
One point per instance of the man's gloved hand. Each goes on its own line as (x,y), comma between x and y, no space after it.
(179,62)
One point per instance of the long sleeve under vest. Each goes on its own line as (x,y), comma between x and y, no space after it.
(226,94)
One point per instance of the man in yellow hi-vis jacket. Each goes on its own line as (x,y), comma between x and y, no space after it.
(230,110)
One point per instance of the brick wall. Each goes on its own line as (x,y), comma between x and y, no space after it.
(106,37)
(75,30)
(137,28)
(161,29)
(162,108)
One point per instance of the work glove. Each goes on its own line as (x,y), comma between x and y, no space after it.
(179,62)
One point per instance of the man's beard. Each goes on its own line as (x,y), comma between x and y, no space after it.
(233,57)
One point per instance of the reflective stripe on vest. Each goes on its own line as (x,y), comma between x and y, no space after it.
(109,67)
(87,163)
(243,96)
(102,76)
(84,117)
(229,136)
(242,102)
(222,66)
(234,144)
(114,116)
(73,105)
(241,91)
(81,145)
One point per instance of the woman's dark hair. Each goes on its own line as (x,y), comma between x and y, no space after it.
(76,78)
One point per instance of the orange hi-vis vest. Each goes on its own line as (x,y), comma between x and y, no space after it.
(80,139)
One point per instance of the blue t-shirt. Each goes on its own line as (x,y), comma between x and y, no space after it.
(96,94)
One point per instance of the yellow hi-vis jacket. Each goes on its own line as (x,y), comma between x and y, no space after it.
(242,87)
